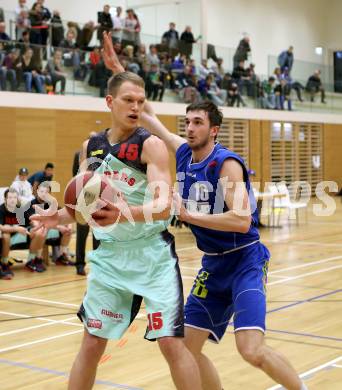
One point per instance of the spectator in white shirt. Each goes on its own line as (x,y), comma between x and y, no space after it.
(22,186)
(118,23)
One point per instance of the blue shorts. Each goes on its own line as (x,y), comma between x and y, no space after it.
(227,284)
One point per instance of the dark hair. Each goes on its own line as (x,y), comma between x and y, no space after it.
(10,190)
(49,165)
(115,82)
(214,114)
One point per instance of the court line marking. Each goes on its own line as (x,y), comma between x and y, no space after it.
(331,338)
(39,300)
(49,323)
(304,275)
(312,371)
(337,365)
(326,260)
(64,374)
(40,340)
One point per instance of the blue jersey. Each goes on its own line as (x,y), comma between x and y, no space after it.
(201,190)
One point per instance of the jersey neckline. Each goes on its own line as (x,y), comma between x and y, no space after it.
(205,160)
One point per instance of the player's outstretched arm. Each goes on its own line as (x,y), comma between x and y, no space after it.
(238,218)
(51,217)
(149,119)
(151,122)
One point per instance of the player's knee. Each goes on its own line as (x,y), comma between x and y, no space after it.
(253,354)
(171,347)
(93,347)
(6,237)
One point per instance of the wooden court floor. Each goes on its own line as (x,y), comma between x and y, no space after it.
(40,334)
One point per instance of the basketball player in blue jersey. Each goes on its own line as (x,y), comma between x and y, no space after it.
(215,190)
(134,261)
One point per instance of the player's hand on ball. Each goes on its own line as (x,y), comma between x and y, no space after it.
(109,213)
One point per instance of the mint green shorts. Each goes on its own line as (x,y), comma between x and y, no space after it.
(122,275)
(18,238)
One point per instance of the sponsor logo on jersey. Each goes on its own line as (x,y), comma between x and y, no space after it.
(109,313)
(93,323)
(96,152)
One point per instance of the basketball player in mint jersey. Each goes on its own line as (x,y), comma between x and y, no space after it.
(134,261)
(218,205)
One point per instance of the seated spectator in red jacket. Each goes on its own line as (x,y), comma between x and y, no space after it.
(15,230)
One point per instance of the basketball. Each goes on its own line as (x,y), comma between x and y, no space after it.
(82,192)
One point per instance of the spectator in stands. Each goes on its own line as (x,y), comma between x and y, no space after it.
(85,36)
(118,24)
(101,77)
(41,176)
(54,68)
(233,93)
(277,74)
(104,20)
(267,98)
(152,56)
(57,29)
(24,42)
(22,24)
(3,35)
(285,59)
(219,71)
(154,84)
(23,186)
(37,24)
(186,85)
(46,18)
(129,29)
(187,39)
(142,60)
(14,231)
(166,70)
(171,39)
(75,29)
(242,51)
(21,7)
(31,72)
(295,85)
(314,85)
(242,78)
(204,71)
(282,94)
(137,30)
(8,70)
(178,63)
(253,81)
(214,93)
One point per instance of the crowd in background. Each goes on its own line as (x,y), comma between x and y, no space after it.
(166,65)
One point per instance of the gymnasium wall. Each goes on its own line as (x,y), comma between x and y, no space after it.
(32,136)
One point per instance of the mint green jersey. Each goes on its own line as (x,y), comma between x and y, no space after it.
(121,163)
